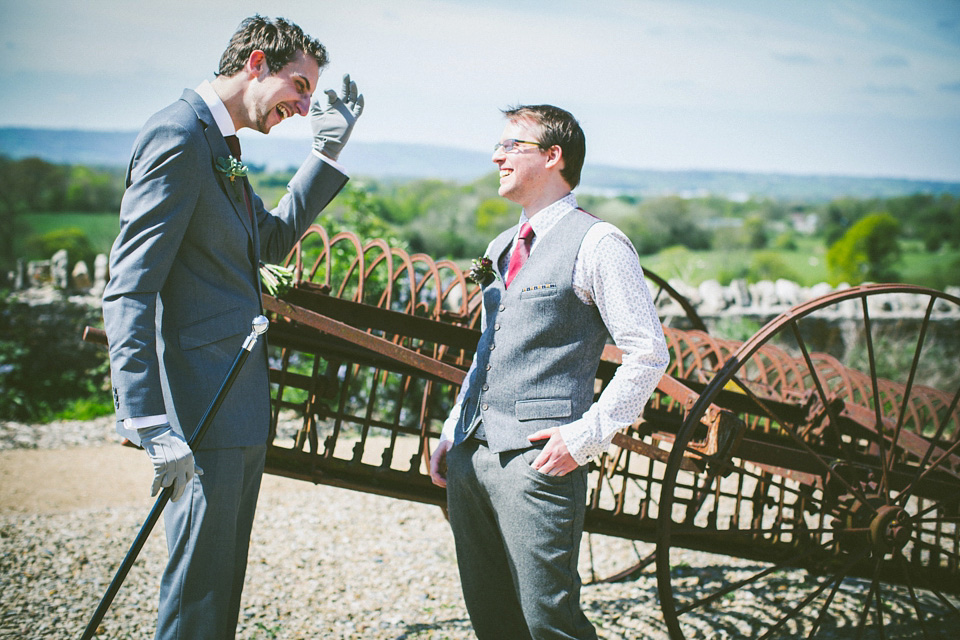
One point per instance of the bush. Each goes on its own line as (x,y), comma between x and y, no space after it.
(768,265)
(868,251)
(45,367)
(74,240)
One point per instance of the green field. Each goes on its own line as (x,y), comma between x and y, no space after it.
(807,264)
(101,229)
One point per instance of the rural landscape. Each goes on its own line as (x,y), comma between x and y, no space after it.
(784,464)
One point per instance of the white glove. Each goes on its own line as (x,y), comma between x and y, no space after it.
(172,459)
(333,122)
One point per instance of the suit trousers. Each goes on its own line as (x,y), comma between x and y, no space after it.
(517,533)
(208,534)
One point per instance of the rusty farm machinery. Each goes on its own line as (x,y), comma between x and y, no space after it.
(829,441)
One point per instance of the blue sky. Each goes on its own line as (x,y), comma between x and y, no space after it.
(855,87)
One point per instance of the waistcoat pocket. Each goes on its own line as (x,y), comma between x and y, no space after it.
(543,408)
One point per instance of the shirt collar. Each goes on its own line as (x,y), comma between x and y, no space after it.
(220,114)
(550,215)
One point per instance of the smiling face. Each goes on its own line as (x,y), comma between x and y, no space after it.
(522,171)
(274,97)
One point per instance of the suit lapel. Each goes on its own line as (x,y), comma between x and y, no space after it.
(218,149)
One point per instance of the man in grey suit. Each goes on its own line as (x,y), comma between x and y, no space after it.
(184,287)
(514,452)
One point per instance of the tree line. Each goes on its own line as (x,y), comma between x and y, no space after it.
(456,221)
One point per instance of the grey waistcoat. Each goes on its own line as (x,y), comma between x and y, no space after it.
(537,359)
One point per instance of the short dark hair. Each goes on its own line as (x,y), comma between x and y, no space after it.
(279,39)
(557,127)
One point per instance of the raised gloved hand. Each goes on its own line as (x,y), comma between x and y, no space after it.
(333,122)
(172,459)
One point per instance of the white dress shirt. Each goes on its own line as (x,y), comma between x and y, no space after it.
(607,274)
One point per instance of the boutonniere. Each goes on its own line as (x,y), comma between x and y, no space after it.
(482,271)
(233,169)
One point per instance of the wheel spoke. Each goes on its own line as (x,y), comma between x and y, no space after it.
(927,545)
(865,612)
(828,406)
(922,472)
(836,580)
(730,588)
(905,567)
(909,386)
(878,411)
(793,436)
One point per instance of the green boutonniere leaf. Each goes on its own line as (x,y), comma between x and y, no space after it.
(231,167)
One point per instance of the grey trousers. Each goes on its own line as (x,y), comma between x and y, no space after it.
(208,534)
(517,533)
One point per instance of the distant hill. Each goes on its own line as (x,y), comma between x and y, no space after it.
(395,161)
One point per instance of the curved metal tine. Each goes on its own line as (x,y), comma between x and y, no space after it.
(909,387)
(730,588)
(881,445)
(835,580)
(834,419)
(921,473)
(905,567)
(826,467)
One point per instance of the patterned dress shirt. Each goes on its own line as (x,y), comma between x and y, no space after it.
(607,274)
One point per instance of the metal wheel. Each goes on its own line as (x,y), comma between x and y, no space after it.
(837,515)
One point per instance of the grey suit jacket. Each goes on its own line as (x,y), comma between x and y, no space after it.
(184,281)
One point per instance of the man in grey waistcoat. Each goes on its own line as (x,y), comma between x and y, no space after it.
(514,452)
(184,287)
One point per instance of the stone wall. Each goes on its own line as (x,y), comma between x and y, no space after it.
(766,299)
(41,281)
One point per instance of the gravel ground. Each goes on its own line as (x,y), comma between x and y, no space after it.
(324,562)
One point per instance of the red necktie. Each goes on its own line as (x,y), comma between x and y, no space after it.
(520,252)
(234,143)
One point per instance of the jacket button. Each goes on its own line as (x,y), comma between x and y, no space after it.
(485,406)
(486,387)
(489,367)
(503,308)
(496,327)
(492,347)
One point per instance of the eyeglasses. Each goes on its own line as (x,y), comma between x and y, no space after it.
(511,143)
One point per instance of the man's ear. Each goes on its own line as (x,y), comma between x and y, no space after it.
(257,63)
(554,157)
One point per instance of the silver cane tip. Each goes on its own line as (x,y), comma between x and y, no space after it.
(260,325)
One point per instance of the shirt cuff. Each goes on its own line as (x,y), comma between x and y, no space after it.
(330,161)
(129,427)
(143,422)
(580,447)
(450,424)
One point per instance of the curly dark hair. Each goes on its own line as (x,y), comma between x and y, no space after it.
(557,127)
(279,39)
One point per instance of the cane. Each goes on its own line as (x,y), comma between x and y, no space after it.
(260,325)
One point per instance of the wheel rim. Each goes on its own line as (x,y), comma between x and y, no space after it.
(870,513)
